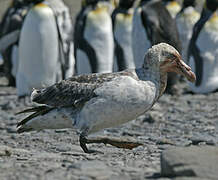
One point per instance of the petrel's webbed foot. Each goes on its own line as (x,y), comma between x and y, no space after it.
(83,141)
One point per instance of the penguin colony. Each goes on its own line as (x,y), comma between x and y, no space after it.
(45,53)
(108,35)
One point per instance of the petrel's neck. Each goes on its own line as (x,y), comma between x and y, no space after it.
(154,75)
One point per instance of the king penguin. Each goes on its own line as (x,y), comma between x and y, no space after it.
(122,29)
(40,62)
(203,51)
(186,20)
(9,35)
(158,26)
(93,38)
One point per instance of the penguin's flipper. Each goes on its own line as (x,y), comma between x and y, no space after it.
(80,42)
(193,49)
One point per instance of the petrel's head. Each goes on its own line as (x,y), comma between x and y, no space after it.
(165,58)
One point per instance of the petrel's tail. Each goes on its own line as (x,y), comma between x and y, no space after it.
(36,111)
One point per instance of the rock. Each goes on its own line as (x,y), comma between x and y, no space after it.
(198,138)
(191,161)
(162,141)
(5,151)
(61,130)
(149,118)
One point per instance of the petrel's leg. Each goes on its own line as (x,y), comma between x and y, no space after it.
(114,142)
(83,141)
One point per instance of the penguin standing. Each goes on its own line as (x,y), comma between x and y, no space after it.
(93,38)
(186,19)
(203,50)
(159,27)
(9,35)
(42,57)
(122,29)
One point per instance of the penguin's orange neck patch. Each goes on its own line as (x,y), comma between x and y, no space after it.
(40,5)
(173,4)
(99,10)
(214,18)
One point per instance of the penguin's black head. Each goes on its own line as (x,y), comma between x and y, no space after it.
(21,3)
(187,3)
(17,3)
(167,1)
(142,2)
(32,1)
(212,5)
(89,2)
(126,3)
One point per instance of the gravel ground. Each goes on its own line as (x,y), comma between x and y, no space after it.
(182,120)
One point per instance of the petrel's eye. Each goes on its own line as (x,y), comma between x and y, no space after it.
(173,57)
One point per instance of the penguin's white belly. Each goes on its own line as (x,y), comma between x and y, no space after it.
(98,33)
(140,42)
(38,51)
(207,43)
(123,35)
(185,33)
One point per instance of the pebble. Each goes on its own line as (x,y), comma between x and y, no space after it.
(5,151)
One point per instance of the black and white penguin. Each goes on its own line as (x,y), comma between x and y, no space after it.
(122,29)
(203,50)
(158,26)
(93,38)
(9,35)
(186,20)
(44,46)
